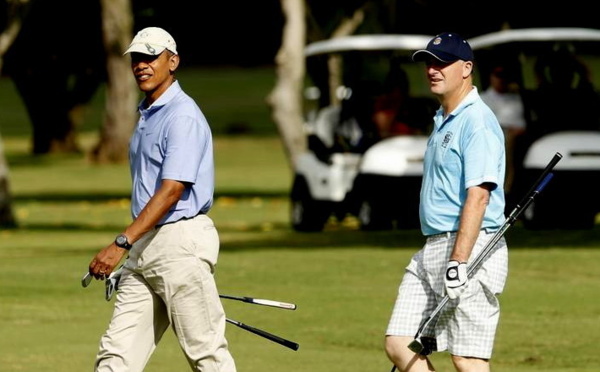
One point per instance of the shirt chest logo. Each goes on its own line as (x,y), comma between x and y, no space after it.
(446,140)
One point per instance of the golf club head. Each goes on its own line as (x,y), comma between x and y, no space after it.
(423,345)
(86,280)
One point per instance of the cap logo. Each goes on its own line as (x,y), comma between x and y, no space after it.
(151,50)
(437,41)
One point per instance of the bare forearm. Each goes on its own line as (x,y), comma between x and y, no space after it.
(158,206)
(470,223)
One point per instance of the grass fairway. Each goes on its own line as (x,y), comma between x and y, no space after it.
(343,280)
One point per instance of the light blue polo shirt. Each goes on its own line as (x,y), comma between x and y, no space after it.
(466,149)
(172,140)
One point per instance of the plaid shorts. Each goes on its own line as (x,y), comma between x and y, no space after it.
(467,325)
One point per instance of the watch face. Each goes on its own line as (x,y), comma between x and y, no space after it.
(121,240)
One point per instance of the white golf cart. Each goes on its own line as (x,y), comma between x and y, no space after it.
(562,117)
(349,169)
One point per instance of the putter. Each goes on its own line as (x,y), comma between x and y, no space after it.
(425,345)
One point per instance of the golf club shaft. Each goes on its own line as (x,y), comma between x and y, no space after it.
(267,335)
(536,189)
(261,301)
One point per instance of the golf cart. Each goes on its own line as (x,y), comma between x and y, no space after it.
(353,166)
(561,100)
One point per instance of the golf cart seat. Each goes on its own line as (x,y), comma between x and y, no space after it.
(570,201)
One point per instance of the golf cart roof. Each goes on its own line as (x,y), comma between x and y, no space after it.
(534,34)
(367,42)
(414,42)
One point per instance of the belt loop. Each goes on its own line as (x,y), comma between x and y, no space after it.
(487,230)
(448,235)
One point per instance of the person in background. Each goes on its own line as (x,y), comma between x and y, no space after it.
(565,96)
(504,98)
(172,244)
(396,111)
(461,206)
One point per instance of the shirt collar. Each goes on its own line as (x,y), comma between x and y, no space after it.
(164,98)
(469,99)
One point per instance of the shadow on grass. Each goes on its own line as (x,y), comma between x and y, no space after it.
(281,236)
(66,227)
(517,237)
(278,235)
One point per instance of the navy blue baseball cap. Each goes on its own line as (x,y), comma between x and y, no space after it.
(447,47)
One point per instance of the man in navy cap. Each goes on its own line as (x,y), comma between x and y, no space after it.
(461,206)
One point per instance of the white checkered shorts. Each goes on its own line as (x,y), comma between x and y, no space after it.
(467,325)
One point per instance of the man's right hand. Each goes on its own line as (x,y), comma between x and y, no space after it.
(106,260)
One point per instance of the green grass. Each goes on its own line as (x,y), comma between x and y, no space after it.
(343,280)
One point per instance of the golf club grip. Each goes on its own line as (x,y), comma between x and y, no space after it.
(537,187)
(262,301)
(544,182)
(540,184)
(267,335)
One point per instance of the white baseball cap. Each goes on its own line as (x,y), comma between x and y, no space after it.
(152,41)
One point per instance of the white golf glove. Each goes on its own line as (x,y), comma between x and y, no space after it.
(112,283)
(456,279)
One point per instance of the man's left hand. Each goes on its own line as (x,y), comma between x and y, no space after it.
(456,278)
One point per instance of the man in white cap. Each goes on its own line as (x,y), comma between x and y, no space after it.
(172,245)
(461,206)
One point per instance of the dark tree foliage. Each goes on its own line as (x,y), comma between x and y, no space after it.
(236,32)
(57,62)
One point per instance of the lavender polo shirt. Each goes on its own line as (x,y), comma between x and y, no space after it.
(172,140)
(466,149)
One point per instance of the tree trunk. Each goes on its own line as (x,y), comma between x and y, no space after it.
(17,11)
(334,61)
(286,97)
(69,78)
(121,92)
(7,218)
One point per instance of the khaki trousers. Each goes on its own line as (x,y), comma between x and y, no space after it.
(168,281)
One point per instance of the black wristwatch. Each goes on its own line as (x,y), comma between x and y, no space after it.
(121,241)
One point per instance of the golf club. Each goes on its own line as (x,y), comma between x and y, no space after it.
(422,346)
(112,286)
(261,301)
(267,335)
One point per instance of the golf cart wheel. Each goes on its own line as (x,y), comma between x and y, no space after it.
(307,214)
(374,217)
